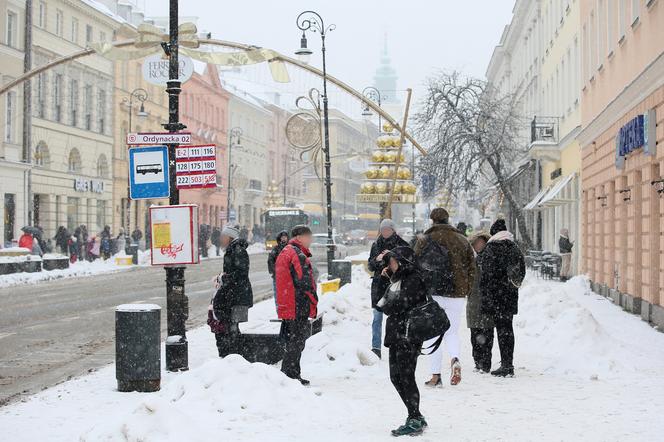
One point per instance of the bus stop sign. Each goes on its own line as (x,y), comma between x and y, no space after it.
(148,172)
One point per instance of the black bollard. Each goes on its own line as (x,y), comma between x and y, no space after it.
(341,269)
(138,347)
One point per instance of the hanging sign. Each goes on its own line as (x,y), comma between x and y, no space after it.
(155,69)
(196,166)
(174,233)
(150,139)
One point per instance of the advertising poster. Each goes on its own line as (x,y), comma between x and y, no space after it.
(174,232)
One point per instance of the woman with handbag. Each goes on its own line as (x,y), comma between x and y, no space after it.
(405,292)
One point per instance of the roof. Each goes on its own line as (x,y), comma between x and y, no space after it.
(104,10)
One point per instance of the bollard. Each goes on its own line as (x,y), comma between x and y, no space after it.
(138,347)
(133,251)
(341,269)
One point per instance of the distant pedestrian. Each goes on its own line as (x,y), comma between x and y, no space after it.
(244,233)
(388,240)
(282,241)
(93,250)
(82,240)
(233,287)
(479,323)
(121,241)
(62,240)
(26,241)
(105,243)
(502,272)
(136,236)
(405,292)
(462,228)
(462,266)
(297,300)
(565,246)
(215,239)
(203,237)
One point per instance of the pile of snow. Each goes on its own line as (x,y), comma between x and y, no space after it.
(351,398)
(256,248)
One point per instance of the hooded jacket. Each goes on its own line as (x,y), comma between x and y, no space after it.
(411,293)
(296,287)
(503,270)
(462,257)
(274,253)
(379,284)
(235,285)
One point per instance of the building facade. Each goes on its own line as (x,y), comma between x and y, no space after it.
(622,103)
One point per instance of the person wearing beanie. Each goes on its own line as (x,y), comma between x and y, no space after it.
(387,240)
(480,324)
(503,269)
(461,260)
(233,287)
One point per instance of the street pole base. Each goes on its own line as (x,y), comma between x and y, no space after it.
(177,356)
(142,386)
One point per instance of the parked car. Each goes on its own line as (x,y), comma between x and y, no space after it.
(357,236)
(319,248)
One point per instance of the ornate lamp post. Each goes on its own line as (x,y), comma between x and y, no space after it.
(234,134)
(312,21)
(140,95)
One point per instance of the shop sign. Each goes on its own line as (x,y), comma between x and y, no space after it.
(85,185)
(174,234)
(156,69)
(639,132)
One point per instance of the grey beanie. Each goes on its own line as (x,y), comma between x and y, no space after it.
(388,223)
(231,232)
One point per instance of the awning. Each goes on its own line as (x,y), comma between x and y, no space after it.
(552,198)
(532,205)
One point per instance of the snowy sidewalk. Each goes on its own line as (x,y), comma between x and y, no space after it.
(585,371)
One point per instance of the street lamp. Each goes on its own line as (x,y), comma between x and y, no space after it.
(372,94)
(234,134)
(140,95)
(312,21)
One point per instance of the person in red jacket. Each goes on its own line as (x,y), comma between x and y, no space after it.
(26,241)
(296,299)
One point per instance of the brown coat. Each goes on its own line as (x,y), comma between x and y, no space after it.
(461,256)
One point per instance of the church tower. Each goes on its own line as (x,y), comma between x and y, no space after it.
(385,79)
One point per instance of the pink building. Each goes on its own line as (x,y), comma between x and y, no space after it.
(622,103)
(204,109)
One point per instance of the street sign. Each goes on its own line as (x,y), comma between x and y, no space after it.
(174,232)
(148,172)
(155,69)
(196,166)
(150,139)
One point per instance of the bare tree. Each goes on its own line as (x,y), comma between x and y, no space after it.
(472,132)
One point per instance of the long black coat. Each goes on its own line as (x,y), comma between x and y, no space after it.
(412,294)
(236,287)
(503,269)
(380,284)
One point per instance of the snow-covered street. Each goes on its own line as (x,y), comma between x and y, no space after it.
(585,371)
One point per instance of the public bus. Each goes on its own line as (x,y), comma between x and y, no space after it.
(278,219)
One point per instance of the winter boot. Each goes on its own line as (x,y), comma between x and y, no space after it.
(413,427)
(304,382)
(455,376)
(377,352)
(504,371)
(435,381)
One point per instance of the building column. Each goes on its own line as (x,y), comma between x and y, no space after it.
(612,231)
(623,233)
(637,202)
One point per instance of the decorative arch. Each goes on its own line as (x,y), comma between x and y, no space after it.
(74,163)
(42,156)
(102,167)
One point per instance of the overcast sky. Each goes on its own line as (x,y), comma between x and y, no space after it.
(423,35)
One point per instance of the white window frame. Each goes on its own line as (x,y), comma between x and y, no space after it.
(59,22)
(636,12)
(74,30)
(609,27)
(11,35)
(601,32)
(89,34)
(42,16)
(10,114)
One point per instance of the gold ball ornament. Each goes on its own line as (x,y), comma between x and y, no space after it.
(403,173)
(390,157)
(383,141)
(398,189)
(384,172)
(387,127)
(409,188)
(377,156)
(396,142)
(381,188)
(403,158)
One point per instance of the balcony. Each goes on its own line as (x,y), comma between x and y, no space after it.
(544,138)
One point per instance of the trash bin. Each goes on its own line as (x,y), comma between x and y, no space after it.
(341,269)
(138,347)
(133,251)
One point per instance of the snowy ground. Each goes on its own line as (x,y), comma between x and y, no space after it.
(585,371)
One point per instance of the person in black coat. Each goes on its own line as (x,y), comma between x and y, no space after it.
(405,292)
(282,241)
(388,240)
(565,246)
(215,239)
(503,271)
(233,286)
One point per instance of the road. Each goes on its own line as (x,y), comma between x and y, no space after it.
(56,330)
(53,331)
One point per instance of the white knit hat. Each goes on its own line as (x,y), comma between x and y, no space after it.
(231,232)
(388,223)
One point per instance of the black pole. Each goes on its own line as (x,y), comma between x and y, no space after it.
(27,110)
(177,304)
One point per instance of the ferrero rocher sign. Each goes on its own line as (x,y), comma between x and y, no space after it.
(385,198)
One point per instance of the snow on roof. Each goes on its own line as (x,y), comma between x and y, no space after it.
(104,10)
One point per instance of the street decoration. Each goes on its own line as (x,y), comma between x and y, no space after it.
(303,130)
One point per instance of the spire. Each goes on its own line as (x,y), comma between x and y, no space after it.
(385,79)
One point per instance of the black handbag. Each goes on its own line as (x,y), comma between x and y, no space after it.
(427,322)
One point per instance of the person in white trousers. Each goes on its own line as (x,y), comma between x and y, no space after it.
(462,266)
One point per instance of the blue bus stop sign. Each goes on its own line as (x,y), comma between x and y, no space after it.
(148,172)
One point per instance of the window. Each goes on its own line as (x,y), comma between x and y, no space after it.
(636,9)
(622,19)
(73,102)
(101,109)
(41,95)
(41,18)
(10,115)
(609,27)
(59,22)
(87,106)
(102,166)
(592,35)
(57,97)
(74,163)
(12,23)
(74,30)
(102,36)
(42,155)
(601,31)
(88,34)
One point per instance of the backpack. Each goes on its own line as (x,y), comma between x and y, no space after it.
(436,268)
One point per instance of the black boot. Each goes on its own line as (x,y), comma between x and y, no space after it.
(377,352)
(504,371)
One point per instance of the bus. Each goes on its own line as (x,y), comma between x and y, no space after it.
(278,219)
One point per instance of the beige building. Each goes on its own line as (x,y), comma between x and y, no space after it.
(623,163)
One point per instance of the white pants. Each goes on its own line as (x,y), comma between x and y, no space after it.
(454,307)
